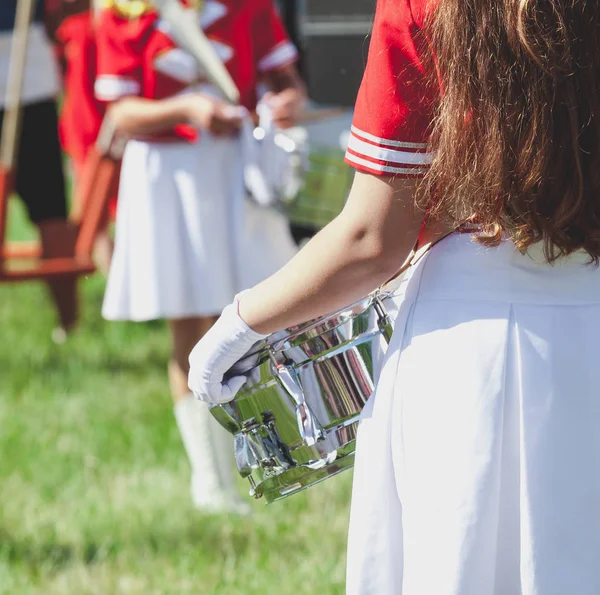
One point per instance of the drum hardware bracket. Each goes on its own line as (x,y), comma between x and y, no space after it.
(286,461)
(309,427)
(254,493)
(383,320)
(257,444)
(333,352)
(245,457)
(254,449)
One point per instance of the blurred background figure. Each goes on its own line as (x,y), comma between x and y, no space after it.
(40,180)
(70,24)
(187,237)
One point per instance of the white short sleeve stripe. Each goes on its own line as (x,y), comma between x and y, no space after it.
(282,54)
(109,87)
(371,151)
(387,156)
(385,142)
(361,163)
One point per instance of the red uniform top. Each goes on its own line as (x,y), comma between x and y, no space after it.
(137,56)
(394,107)
(81,113)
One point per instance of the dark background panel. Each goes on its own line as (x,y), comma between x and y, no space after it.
(332,8)
(333,38)
(334,67)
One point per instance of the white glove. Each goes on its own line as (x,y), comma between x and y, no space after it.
(214,355)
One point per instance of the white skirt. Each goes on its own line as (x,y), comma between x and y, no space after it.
(478,457)
(187,239)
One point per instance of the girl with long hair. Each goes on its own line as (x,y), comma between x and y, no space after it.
(478,456)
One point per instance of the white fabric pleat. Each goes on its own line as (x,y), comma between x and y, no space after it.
(187,239)
(478,458)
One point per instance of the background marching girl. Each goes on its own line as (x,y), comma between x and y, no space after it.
(187,239)
(478,457)
(81,114)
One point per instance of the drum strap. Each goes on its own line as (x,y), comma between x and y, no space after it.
(421,248)
(420,251)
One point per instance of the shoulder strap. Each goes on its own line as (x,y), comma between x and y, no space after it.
(420,251)
(416,254)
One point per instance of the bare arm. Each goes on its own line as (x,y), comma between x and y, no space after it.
(133,116)
(362,248)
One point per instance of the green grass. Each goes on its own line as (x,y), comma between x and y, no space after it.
(326,187)
(94,484)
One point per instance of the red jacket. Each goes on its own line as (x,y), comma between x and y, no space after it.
(81,114)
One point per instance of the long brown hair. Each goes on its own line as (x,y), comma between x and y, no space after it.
(517,135)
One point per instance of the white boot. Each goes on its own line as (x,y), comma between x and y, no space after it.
(210,450)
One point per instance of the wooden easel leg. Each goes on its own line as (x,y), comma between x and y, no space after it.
(96,192)
(58,242)
(6,186)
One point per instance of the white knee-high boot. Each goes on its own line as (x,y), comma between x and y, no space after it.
(210,451)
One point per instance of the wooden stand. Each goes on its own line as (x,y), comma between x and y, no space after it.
(23,261)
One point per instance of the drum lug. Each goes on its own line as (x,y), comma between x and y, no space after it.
(245,458)
(383,320)
(253,449)
(276,443)
(254,493)
(309,427)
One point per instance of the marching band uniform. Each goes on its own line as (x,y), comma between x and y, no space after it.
(81,113)
(477,457)
(187,238)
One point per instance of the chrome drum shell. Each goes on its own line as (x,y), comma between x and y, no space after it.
(295,420)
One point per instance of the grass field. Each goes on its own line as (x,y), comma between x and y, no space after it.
(94,481)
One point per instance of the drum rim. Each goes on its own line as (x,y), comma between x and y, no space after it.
(276,341)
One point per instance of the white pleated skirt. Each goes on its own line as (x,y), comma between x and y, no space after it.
(187,238)
(478,457)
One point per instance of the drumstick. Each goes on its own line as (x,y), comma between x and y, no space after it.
(9,144)
(16,74)
(191,38)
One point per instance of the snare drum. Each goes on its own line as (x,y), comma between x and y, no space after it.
(295,420)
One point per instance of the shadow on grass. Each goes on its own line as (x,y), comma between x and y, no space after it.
(213,537)
(36,555)
(53,363)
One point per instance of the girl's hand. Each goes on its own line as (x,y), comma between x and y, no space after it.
(286,106)
(214,355)
(212,114)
